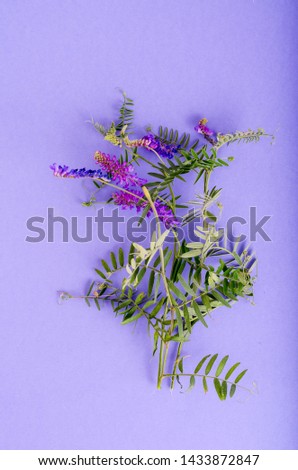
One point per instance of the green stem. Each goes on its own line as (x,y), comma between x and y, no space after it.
(162,355)
(206,185)
(128,192)
(136,156)
(121,189)
(176,365)
(176,251)
(158,156)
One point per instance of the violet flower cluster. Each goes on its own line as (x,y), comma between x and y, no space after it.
(201,128)
(135,200)
(164,150)
(123,175)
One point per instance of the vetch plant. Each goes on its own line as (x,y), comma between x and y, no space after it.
(172,285)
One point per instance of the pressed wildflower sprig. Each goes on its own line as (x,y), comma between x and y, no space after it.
(173,283)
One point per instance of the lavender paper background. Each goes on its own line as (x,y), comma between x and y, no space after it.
(71,377)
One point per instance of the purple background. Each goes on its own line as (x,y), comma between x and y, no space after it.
(72,377)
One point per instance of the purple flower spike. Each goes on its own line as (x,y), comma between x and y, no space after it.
(65,172)
(130,201)
(201,128)
(121,173)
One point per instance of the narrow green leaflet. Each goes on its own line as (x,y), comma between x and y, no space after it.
(100,273)
(218,389)
(192,382)
(205,386)
(224,390)
(179,321)
(206,302)
(231,370)
(201,363)
(157,308)
(186,286)
(121,257)
(232,390)
(132,318)
(192,253)
(210,364)
(106,266)
(239,377)
(219,297)
(177,291)
(221,366)
(151,283)
(113,260)
(198,313)
(187,319)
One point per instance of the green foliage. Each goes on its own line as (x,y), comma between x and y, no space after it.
(188,161)
(125,119)
(210,370)
(189,301)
